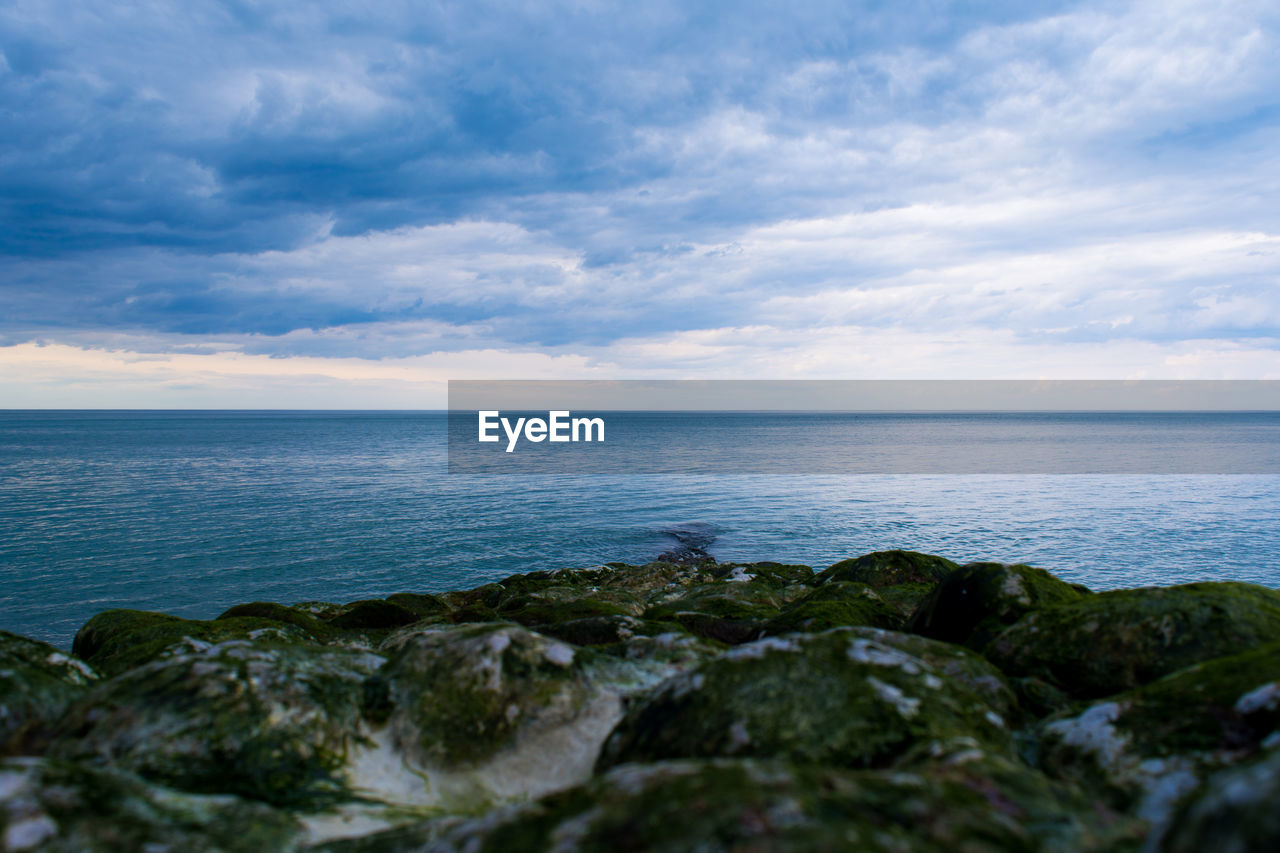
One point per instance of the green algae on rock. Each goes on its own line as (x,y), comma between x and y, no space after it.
(271,722)
(1147,748)
(902,579)
(727,611)
(851,697)
(37,684)
(64,807)
(836,604)
(664,706)
(1102,644)
(734,804)
(491,712)
(115,641)
(1234,811)
(975,602)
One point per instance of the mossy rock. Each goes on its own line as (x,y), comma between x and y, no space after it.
(773,575)
(834,605)
(314,626)
(1146,748)
(608,630)
(727,612)
(1234,811)
(1059,816)
(889,568)
(853,697)
(975,602)
(270,722)
(488,595)
(423,604)
(37,683)
(746,805)
(1113,641)
(459,695)
(63,807)
(115,641)
(375,614)
(469,613)
(561,604)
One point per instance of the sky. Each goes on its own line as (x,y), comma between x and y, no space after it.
(342,205)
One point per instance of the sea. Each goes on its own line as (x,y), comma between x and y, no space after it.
(191,512)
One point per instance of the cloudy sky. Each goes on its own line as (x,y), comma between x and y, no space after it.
(290,204)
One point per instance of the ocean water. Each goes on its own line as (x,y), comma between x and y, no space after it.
(192,512)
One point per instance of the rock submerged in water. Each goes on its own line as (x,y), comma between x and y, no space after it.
(895,701)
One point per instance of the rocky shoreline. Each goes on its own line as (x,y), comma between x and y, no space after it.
(896,701)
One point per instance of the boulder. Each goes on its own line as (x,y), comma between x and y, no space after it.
(833,605)
(1234,811)
(115,641)
(37,684)
(851,697)
(975,602)
(62,807)
(269,722)
(1147,748)
(726,611)
(750,805)
(1102,644)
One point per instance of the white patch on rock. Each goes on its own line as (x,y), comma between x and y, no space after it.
(1164,781)
(11,783)
(932,681)
(862,650)
(905,705)
(1092,732)
(28,832)
(1014,588)
(994,719)
(1265,698)
(760,647)
(558,654)
(739,575)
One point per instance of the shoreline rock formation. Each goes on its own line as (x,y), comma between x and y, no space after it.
(893,701)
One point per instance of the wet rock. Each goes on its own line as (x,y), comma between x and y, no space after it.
(726,611)
(901,578)
(270,722)
(1059,816)
(1233,812)
(1102,644)
(37,684)
(890,568)
(312,625)
(424,605)
(63,807)
(118,640)
(1147,748)
(975,602)
(853,697)
(754,805)
(774,575)
(561,604)
(374,615)
(833,605)
(494,711)
(608,630)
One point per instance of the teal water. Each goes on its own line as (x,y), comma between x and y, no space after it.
(191,512)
